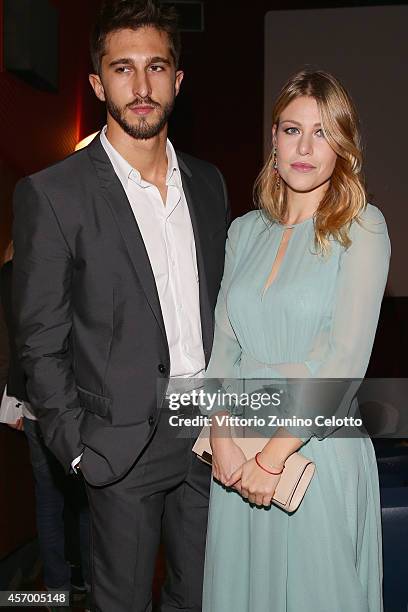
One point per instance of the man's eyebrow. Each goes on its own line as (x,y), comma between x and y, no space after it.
(121,60)
(158,59)
(297,122)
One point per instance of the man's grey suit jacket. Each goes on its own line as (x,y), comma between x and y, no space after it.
(90,331)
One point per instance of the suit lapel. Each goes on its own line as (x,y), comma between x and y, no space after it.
(118,202)
(197,208)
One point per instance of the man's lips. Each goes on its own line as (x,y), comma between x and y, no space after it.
(140,109)
(302,167)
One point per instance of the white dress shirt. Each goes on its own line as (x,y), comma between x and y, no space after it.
(169,240)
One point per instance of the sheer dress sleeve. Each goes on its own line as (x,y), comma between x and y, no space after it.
(222,371)
(346,349)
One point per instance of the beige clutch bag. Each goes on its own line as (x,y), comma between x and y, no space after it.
(295,478)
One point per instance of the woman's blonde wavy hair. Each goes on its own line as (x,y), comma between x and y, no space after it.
(345,197)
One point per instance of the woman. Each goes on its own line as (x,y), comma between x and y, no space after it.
(300,297)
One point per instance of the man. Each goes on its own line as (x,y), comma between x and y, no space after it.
(119,257)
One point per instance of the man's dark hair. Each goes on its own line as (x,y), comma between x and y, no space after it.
(117,15)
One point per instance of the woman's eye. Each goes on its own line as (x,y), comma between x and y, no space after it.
(320,133)
(291,130)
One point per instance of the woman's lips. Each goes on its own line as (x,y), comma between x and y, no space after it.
(300,167)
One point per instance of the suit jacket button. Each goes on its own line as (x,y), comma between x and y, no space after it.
(162,368)
(151,421)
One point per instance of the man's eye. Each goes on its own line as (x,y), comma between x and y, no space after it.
(155,68)
(291,130)
(123,69)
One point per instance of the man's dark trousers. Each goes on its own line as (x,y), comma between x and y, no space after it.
(168,485)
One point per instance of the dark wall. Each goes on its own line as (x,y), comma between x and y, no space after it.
(219,113)
(17,524)
(39,128)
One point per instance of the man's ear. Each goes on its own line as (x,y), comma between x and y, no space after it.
(97,86)
(179,78)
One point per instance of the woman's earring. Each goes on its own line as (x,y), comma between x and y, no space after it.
(275,167)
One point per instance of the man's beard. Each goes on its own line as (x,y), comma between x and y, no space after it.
(142,130)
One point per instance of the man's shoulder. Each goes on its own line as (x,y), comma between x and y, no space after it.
(192,165)
(65,169)
(205,175)
(65,184)
(65,173)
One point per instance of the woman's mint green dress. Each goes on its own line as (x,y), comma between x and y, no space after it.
(317,319)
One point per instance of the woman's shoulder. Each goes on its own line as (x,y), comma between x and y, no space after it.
(247,224)
(371,220)
(372,214)
(368,233)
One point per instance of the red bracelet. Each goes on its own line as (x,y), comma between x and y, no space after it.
(265,469)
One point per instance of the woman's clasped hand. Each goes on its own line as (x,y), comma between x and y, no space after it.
(254,483)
